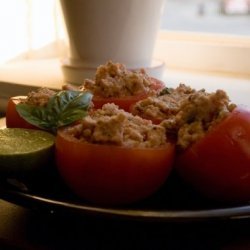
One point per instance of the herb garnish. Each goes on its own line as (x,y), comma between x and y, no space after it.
(165,91)
(64,108)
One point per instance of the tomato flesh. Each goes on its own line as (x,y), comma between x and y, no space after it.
(219,164)
(111,175)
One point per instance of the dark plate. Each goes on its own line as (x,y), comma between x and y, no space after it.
(175,202)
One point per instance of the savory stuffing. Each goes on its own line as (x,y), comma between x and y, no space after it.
(115,80)
(198,114)
(40,97)
(111,125)
(164,105)
(186,114)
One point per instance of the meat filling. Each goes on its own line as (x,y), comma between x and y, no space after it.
(115,80)
(164,105)
(186,114)
(40,97)
(111,125)
(197,115)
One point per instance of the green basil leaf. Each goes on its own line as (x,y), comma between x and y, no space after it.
(63,108)
(36,116)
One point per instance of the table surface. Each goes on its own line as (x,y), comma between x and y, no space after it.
(31,229)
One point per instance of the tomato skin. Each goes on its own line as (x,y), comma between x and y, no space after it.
(13,119)
(111,175)
(219,164)
(126,102)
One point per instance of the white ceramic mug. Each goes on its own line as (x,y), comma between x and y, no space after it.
(119,30)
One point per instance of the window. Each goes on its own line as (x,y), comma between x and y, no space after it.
(195,42)
(30,28)
(209,16)
(204,36)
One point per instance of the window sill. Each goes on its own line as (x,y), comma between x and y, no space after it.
(209,53)
(18,78)
(21,77)
(238,89)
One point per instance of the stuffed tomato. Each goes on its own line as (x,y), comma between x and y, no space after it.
(113,158)
(126,102)
(34,99)
(212,137)
(114,83)
(13,119)
(46,109)
(218,164)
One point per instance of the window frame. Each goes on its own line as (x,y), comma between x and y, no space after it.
(204,52)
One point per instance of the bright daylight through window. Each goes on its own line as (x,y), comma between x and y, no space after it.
(36,29)
(206,35)
(196,36)
(213,16)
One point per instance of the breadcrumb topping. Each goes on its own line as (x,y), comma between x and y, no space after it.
(186,114)
(115,80)
(114,126)
(40,97)
(164,105)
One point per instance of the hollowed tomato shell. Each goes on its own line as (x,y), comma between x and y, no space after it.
(13,119)
(218,165)
(126,102)
(111,175)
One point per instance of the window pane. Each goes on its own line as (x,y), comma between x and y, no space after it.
(216,16)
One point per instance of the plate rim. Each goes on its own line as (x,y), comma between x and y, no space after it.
(54,205)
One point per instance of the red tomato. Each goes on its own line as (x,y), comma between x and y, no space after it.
(111,175)
(13,119)
(126,102)
(218,165)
